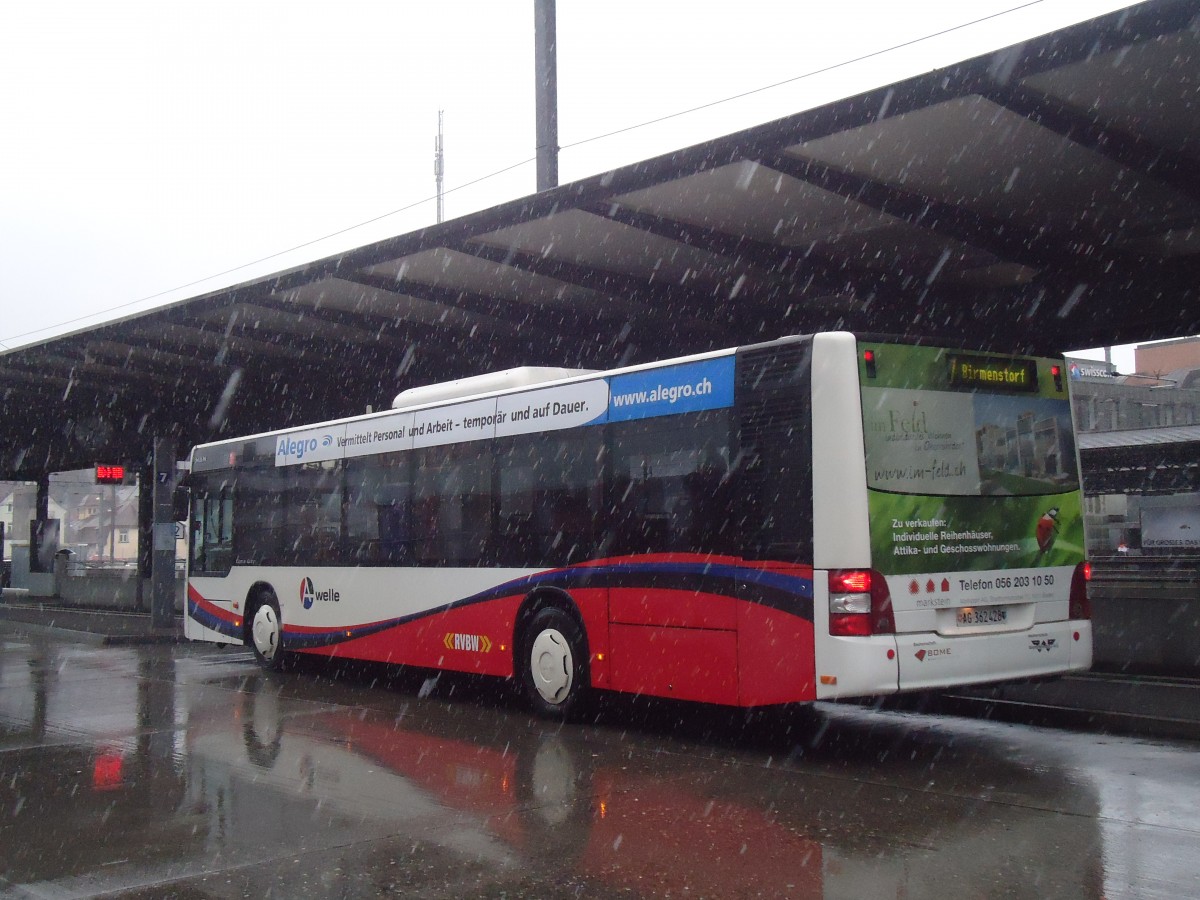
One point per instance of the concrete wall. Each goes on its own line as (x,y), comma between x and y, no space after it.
(110,589)
(1147,627)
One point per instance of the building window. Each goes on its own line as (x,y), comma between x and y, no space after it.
(122,536)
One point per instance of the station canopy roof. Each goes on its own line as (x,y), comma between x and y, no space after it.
(1142,460)
(1040,198)
(1137,438)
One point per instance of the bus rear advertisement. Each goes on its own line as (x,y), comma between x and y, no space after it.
(817,517)
(975,511)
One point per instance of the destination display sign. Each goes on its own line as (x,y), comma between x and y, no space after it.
(993,373)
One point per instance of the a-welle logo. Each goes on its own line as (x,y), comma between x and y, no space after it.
(310,595)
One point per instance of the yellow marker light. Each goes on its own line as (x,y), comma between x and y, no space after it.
(829,679)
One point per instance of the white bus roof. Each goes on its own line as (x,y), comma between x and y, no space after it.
(522,376)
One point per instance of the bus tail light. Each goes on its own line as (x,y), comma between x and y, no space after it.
(1080,606)
(859,603)
(869,363)
(1056,371)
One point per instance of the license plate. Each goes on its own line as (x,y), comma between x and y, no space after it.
(983,615)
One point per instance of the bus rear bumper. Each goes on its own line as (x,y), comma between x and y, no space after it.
(930,661)
(855,666)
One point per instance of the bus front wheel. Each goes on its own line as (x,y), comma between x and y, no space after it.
(553,664)
(266,633)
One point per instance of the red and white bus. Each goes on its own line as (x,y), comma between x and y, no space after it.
(821,516)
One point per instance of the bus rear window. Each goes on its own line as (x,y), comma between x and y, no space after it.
(968,441)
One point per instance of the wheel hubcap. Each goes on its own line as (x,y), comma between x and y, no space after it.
(266,632)
(552,666)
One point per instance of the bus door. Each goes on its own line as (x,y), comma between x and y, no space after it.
(210,544)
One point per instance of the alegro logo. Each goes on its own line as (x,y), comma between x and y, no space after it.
(291,447)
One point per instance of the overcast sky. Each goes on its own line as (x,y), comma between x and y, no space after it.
(153,151)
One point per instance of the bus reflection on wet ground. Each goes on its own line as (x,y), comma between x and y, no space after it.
(159,771)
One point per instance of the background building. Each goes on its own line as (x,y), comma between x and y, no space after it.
(97,523)
(1139,437)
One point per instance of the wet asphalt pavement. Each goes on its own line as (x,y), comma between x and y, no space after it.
(184,771)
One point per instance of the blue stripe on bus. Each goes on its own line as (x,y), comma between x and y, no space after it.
(211,621)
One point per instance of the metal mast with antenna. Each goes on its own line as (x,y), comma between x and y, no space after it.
(439,168)
(545,66)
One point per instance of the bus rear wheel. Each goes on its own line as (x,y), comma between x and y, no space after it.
(266,633)
(553,663)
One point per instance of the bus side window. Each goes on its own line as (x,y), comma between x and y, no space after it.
(312,518)
(670,488)
(452,508)
(378,514)
(259,510)
(548,498)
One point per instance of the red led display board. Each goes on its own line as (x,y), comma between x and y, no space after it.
(110,474)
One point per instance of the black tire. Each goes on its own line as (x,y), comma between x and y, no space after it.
(553,663)
(264,632)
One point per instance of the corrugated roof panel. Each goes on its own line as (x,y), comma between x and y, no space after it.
(1138,437)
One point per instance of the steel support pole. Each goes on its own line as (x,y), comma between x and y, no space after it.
(162,564)
(40,555)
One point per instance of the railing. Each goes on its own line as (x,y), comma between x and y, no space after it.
(77,568)
(1145,568)
(1145,578)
